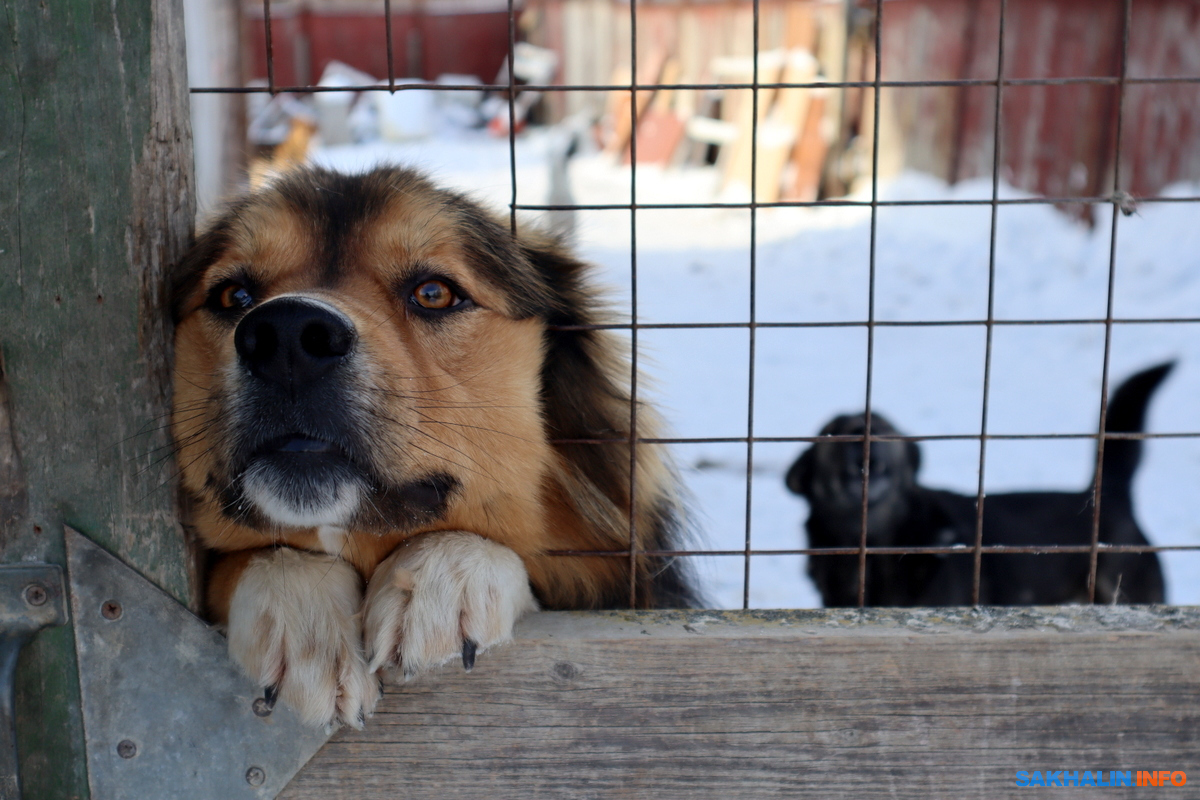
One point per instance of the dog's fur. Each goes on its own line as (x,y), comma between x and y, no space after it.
(338,441)
(902,513)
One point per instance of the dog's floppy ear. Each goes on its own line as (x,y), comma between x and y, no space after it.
(583,396)
(913,451)
(184,276)
(567,299)
(799,477)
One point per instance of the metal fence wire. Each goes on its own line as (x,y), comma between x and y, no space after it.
(1121,202)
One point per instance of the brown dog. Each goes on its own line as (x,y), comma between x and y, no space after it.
(375,404)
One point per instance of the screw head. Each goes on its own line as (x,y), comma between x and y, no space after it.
(35,594)
(255,776)
(111,610)
(261,707)
(126,748)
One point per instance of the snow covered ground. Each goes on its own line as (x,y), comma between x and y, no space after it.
(931,264)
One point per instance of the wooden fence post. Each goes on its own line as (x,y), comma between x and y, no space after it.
(97,201)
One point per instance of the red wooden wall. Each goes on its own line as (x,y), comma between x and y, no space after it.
(1056,140)
(304,41)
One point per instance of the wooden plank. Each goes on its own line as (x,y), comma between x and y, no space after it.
(891,138)
(825,704)
(782,126)
(95,155)
(800,26)
(660,130)
(649,68)
(803,180)
(738,106)
(837,56)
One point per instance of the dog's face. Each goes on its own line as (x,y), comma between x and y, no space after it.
(356,352)
(830,476)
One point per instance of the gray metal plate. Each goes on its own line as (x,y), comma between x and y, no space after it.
(166,712)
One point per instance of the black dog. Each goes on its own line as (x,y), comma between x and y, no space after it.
(902,513)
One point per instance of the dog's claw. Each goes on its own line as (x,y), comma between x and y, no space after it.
(469,648)
(294,627)
(467,593)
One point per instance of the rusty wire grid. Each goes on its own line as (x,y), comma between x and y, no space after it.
(1121,202)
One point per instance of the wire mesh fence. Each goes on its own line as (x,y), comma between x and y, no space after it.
(1115,195)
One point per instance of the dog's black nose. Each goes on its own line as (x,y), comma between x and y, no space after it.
(293,341)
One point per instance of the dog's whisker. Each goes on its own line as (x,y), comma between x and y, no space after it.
(447,445)
(149,433)
(175,475)
(453,407)
(148,427)
(170,447)
(427,435)
(183,468)
(475,403)
(386,319)
(460,382)
(191,382)
(160,460)
(451,461)
(427,421)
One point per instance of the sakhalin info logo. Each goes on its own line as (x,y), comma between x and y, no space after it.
(1063,777)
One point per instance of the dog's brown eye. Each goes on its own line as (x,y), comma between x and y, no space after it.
(234,295)
(435,295)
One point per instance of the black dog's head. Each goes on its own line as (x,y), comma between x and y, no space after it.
(830,476)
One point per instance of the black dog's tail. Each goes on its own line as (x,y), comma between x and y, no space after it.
(1127,414)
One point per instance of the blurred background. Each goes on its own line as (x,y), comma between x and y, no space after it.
(1094,142)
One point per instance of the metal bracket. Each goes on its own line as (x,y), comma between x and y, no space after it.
(31,598)
(167,714)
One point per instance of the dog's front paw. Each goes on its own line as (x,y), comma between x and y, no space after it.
(294,627)
(442,596)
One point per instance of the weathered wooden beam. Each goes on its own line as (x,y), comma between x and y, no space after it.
(823,704)
(95,164)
